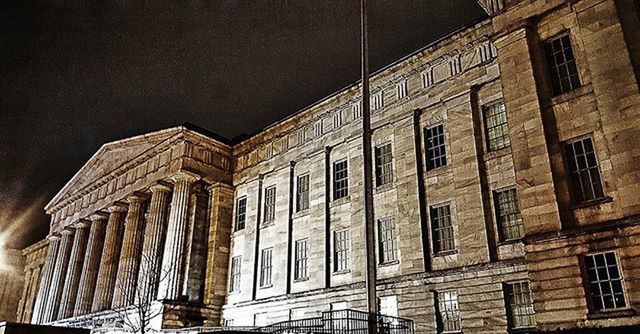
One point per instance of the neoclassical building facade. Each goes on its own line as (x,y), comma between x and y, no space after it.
(506,178)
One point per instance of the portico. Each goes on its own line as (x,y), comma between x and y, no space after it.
(129,229)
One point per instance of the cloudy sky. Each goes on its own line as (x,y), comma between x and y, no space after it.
(77,74)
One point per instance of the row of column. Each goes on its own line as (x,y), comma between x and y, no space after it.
(114,260)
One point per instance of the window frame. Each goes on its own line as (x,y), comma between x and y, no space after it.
(343,191)
(387,243)
(269,206)
(302,197)
(498,213)
(235,274)
(300,263)
(266,267)
(506,140)
(442,308)
(553,67)
(508,290)
(243,214)
(434,162)
(573,190)
(589,294)
(341,263)
(437,247)
(381,177)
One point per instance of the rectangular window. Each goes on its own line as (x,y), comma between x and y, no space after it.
(377,101)
(301,259)
(357,110)
(604,281)
(387,240)
(337,119)
(443,239)
(401,89)
(270,204)
(340,250)
(562,64)
(436,152)
(302,136)
(508,214)
(384,164)
(448,312)
(583,170)
(318,128)
(241,213)
(234,281)
(340,179)
(302,196)
(520,305)
(497,130)
(265,267)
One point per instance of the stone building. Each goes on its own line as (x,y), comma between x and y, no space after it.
(506,178)
(11,283)
(34,257)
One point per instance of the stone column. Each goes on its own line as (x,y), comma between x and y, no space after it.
(59,273)
(89,275)
(109,261)
(45,282)
(174,246)
(130,255)
(149,274)
(70,291)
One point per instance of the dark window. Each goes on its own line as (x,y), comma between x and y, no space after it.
(301,259)
(605,281)
(340,250)
(584,170)
(241,213)
(508,214)
(234,282)
(562,64)
(448,312)
(497,130)
(387,240)
(340,180)
(520,305)
(384,168)
(270,204)
(265,267)
(443,239)
(436,152)
(302,197)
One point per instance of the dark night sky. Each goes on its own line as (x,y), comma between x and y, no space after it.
(77,74)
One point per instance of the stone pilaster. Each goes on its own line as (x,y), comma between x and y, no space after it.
(196,253)
(91,261)
(175,245)
(58,277)
(70,290)
(130,256)
(152,247)
(109,261)
(45,282)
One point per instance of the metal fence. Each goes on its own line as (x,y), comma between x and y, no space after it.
(342,322)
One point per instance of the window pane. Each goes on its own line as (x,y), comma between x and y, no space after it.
(508,214)
(270,204)
(384,170)
(241,213)
(234,282)
(301,259)
(340,180)
(265,267)
(520,304)
(497,130)
(448,312)
(562,66)
(302,197)
(387,240)
(442,229)
(340,250)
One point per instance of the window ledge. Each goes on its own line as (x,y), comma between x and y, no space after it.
(572,94)
(523,330)
(341,272)
(384,188)
(267,224)
(267,286)
(340,201)
(619,313)
(445,253)
(239,232)
(389,264)
(302,213)
(594,202)
(510,242)
(497,153)
(301,279)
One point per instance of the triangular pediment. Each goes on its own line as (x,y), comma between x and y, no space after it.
(112,156)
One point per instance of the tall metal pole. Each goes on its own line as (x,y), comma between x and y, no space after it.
(372,302)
